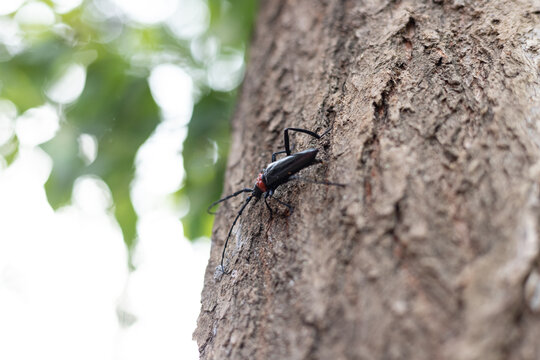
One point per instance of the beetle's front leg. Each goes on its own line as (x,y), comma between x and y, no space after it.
(266,195)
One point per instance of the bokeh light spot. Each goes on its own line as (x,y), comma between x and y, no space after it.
(64,6)
(37,125)
(8,113)
(172,90)
(69,86)
(226,72)
(88,148)
(91,194)
(147,12)
(35,14)
(191,19)
(9,6)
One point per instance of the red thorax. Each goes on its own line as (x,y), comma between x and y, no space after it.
(260,183)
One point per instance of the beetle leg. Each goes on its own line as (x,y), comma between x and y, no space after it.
(276,153)
(289,206)
(311,133)
(266,195)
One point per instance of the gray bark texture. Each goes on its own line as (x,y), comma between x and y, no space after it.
(431,251)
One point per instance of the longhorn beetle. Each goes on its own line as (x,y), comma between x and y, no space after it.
(277,173)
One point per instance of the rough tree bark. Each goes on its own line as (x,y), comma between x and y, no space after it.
(431,251)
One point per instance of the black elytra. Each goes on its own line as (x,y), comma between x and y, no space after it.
(277,173)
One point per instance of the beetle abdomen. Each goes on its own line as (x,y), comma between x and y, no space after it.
(278,172)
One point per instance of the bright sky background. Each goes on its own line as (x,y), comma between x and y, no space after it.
(65,289)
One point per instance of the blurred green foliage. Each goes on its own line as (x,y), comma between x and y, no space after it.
(204,179)
(116,105)
(210,123)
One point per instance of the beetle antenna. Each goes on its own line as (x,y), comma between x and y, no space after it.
(316,181)
(209,210)
(248,199)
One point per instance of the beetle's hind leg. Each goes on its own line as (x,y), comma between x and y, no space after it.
(290,208)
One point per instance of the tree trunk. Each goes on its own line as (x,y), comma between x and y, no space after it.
(431,250)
